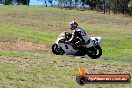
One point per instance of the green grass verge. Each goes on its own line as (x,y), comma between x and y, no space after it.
(28,70)
(9,32)
(42,25)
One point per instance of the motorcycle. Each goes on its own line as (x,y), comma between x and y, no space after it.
(91,48)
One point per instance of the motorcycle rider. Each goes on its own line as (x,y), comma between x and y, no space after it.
(77,32)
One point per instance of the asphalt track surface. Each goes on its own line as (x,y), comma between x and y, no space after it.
(107,58)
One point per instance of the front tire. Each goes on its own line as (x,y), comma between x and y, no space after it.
(95,52)
(57,50)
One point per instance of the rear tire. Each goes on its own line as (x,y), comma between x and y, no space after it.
(95,52)
(57,50)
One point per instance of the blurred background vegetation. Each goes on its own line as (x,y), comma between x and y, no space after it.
(105,6)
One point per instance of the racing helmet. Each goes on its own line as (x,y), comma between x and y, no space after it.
(73,24)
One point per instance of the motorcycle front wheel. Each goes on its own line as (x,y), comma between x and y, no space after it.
(57,50)
(94,52)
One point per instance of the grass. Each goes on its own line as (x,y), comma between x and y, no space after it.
(24,69)
(42,25)
(39,24)
(27,34)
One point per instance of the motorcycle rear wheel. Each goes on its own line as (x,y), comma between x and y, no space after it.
(95,52)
